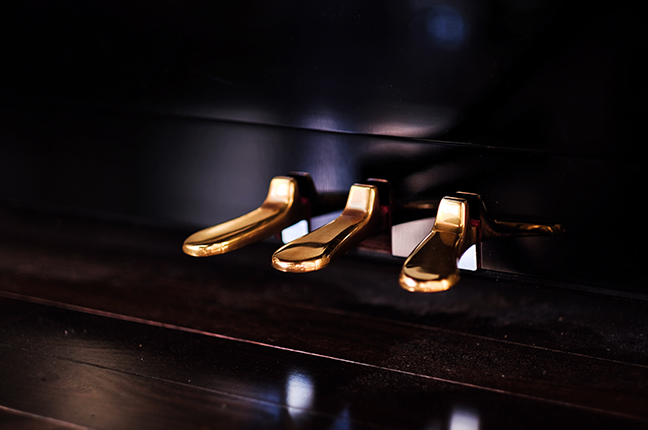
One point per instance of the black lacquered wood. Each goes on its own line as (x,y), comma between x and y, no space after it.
(543,75)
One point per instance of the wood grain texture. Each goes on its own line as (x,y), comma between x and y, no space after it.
(386,360)
(14,419)
(108,373)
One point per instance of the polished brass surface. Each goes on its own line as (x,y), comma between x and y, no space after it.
(316,250)
(432,266)
(461,222)
(281,208)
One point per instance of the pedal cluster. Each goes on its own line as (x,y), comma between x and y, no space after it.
(461,223)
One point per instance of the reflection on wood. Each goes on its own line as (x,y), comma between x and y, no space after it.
(109,373)
(173,339)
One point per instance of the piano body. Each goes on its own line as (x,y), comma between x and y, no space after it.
(126,128)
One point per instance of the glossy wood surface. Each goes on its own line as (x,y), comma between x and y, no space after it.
(131,333)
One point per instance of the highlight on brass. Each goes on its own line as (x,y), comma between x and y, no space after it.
(281,208)
(432,266)
(360,218)
(461,222)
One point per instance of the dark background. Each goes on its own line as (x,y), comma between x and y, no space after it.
(534,74)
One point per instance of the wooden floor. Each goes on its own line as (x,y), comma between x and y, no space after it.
(106,324)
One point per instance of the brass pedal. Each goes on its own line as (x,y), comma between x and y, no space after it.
(461,222)
(366,212)
(290,199)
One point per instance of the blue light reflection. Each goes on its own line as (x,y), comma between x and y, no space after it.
(299,393)
(446,26)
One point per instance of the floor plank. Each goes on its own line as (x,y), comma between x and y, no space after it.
(13,419)
(488,339)
(106,373)
(492,365)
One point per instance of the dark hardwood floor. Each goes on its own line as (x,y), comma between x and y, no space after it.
(104,323)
